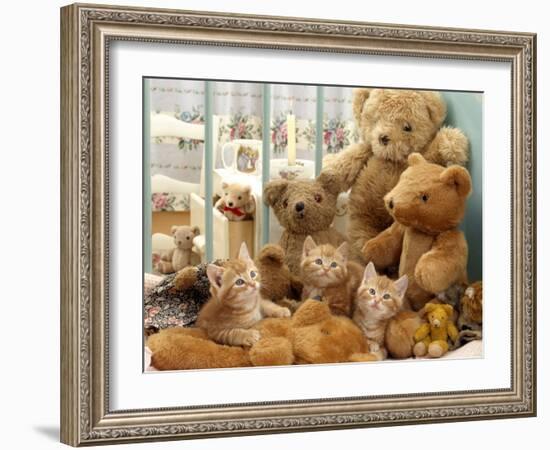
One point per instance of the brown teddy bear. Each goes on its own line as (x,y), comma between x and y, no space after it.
(304,207)
(182,254)
(312,336)
(392,125)
(237,202)
(427,205)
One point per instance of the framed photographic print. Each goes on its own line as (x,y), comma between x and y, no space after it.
(254,208)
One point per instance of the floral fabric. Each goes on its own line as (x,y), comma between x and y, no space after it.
(169,201)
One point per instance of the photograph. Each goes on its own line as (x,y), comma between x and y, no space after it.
(333,224)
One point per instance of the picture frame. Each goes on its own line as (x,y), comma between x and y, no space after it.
(87,32)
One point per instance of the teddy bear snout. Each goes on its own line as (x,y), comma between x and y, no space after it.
(436,323)
(299,206)
(384,139)
(230,204)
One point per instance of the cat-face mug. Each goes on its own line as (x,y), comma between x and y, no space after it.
(246,154)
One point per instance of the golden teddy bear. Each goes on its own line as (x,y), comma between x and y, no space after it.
(392,124)
(311,336)
(432,337)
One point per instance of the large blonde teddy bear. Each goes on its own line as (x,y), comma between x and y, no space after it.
(392,124)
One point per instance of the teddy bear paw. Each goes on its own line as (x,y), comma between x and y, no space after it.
(420,349)
(435,350)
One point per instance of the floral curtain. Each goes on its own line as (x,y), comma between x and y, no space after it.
(239,107)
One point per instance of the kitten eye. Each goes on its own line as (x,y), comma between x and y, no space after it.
(319,261)
(407,127)
(333,264)
(386,296)
(239,282)
(424,198)
(285,203)
(372,291)
(318,198)
(252,274)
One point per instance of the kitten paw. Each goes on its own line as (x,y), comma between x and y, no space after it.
(283,312)
(251,338)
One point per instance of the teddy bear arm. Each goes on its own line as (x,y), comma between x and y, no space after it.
(384,250)
(349,163)
(250,207)
(449,146)
(452,331)
(167,255)
(296,287)
(444,264)
(422,332)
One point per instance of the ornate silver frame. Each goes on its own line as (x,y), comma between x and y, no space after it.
(86,31)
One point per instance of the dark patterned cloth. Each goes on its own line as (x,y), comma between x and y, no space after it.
(166,307)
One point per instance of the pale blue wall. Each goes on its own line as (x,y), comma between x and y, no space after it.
(465,112)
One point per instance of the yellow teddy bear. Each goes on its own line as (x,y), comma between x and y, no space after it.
(431,338)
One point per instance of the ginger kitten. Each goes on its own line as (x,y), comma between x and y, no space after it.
(378,300)
(235,304)
(328,276)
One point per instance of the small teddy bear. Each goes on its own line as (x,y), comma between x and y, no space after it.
(432,337)
(392,123)
(182,254)
(237,202)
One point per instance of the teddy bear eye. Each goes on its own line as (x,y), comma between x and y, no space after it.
(187,238)
(424,198)
(240,197)
(225,194)
(239,282)
(318,198)
(372,291)
(319,261)
(407,127)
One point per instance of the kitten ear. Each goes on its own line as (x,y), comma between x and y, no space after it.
(243,253)
(215,274)
(401,285)
(370,273)
(309,245)
(343,250)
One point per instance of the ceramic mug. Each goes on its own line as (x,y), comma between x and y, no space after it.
(246,155)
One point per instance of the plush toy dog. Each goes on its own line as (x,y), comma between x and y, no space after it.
(312,336)
(392,124)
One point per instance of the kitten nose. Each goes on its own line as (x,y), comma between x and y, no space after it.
(230,203)
(390,203)
(384,139)
(300,206)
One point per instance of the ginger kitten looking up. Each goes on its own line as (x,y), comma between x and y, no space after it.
(378,300)
(235,304)
(329,276)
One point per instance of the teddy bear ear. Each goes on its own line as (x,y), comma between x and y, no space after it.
(247,189)
(309,245)
(415,158)
(174,229)
(437,109)
(458,177)
(196,230)
(311,312)
(360,96)
(448,309)
(273,191)
(330,180)
(429,307)
(225,184)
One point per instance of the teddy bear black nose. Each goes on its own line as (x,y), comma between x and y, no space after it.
(390,204)
(384,139)
(300,206)
(230,203)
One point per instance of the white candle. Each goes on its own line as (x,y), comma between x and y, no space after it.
(291,137)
